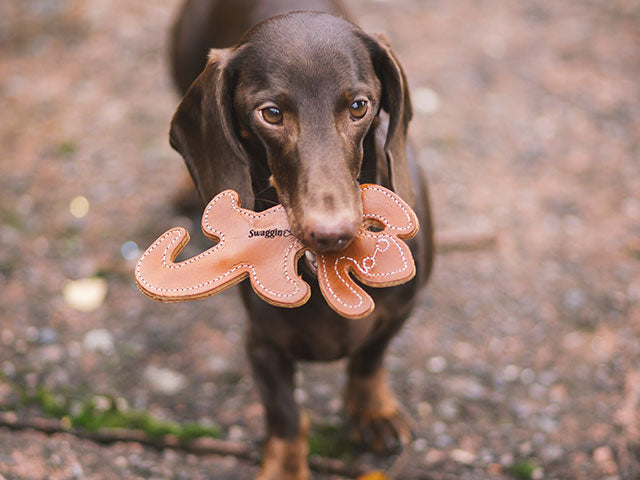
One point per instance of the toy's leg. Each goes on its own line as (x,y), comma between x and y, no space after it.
(285,451)
(375,416)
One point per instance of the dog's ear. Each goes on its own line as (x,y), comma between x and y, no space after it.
(202,131)
(396,101)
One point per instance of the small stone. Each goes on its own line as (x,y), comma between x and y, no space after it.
(551,453)
(419,445)
(537,474)
(463,456)
(79,206)
(8,369)
(602,454)
(437,364)
(527,376)
(164,380)
(130,251)
(448,409)
(8,337)
(425,100)
(507,460)
(76,471)
(217,363)
(98,340)
(121,462)
(47,336)
(574,298)
(236,433)
(86,294)
(31,334)
(510,373)
(51,354)
(433,456)
(424,410)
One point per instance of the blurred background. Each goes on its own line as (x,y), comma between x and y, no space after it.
(521,360)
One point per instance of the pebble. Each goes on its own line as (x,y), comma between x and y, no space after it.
(574,298)
(448,409)
(467,387)
(85,294)
(164,380)
(217,363)
(433,456)
(8,369)
(51,354)
(424,410)
(419,445)
(463,456)
(551,452)
(425,100)
(47,336)
(236,433)
(129,250)
(98,340)
(537,474)
(7,337)
(436,364)
(510,373)
(527,376)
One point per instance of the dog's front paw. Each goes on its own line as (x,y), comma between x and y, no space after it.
(376,419)
(286,459)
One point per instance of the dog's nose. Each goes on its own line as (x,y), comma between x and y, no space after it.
(324,235)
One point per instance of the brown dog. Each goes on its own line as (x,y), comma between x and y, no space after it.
(301,110)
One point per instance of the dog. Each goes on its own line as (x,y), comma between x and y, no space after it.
(299,108)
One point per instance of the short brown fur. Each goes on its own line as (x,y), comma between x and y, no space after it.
(310,66)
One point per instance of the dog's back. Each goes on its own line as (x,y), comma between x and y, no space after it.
(206,24)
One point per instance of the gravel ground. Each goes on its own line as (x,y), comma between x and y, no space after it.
(521,359)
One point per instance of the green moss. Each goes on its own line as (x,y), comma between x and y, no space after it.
(94,416)
(331,441)
(523,470)
(11,218)
(52,405)
(66,147)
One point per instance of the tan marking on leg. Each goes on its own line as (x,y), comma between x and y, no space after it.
(286,459)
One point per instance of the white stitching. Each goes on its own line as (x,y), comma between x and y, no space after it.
(383,219)
(220,235)
(328,284)
(254,275)
(235,207)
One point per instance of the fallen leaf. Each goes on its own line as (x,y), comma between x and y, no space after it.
(375,475)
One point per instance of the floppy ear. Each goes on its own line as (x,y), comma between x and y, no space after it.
(202,132)
(396,101)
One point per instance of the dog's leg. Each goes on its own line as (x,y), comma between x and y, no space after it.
(375,416)
(285,451)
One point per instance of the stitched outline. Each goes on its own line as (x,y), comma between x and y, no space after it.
(234,205)
(378,236)
(411,226)
(254,275)
(328,284)
(372,257)
(220,235)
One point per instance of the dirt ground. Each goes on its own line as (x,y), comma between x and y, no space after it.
(521,360)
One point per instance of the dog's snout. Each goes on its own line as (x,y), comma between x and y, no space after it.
(323,233)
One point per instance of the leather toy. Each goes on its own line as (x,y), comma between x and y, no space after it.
(261,247)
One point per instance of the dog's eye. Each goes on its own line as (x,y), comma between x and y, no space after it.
(272,115)
(358,109)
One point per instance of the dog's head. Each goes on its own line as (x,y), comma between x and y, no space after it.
(293,105)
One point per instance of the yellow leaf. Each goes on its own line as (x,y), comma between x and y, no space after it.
(375,475)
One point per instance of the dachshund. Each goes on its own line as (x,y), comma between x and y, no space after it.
(300,110)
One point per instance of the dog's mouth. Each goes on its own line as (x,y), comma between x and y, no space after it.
(311,261)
